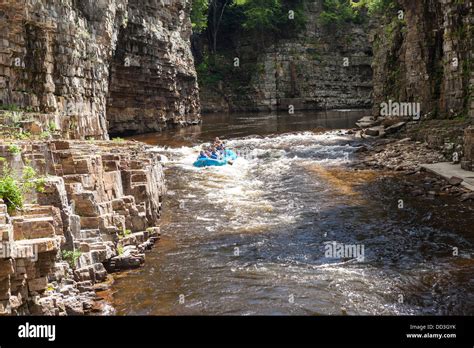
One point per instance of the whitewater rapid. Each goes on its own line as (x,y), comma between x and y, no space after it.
(250,238)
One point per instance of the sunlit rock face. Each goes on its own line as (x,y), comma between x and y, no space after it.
(153,81)
(101,201)
(64,62)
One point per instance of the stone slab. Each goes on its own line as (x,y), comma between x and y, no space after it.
(447,170)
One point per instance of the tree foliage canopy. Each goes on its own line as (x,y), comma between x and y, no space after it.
(336,12)
(277,17)
(199,15)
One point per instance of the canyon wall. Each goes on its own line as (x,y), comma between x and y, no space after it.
(323,67)
(407,51)
(96,213)
(87,66)
(72,72)
(153,82)
(427,56)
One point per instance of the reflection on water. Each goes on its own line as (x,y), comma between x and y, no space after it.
(250,238)
(245,124)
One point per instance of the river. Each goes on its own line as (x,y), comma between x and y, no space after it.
(251,239)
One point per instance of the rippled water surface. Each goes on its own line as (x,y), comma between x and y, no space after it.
(250,238)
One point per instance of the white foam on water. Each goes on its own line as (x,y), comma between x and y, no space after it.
(243,190)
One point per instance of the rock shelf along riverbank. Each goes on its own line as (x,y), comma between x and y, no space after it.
(408,150)
(96,212)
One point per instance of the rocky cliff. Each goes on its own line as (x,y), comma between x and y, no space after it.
(90,66)
(153,81)
(73,70)
(407,51)
(322,67)
(426,56)
(96,213)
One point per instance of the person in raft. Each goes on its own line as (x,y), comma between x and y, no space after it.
(210,152)
(221,149)
(202,155)
(215,154)
(216,151)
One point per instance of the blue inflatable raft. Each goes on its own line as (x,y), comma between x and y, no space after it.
(207,162)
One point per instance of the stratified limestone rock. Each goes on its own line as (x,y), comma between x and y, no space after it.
(426,57)
(153,81)
(56,56)
(100,203)
(54,60)
(37,222)
(322,68)
(467,162)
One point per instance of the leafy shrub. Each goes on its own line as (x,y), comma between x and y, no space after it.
(199,15)
(45,135)
(10,107)
(13,118)
(10,192)
(14,149)
(12,189)
(71,257)
(125,233)
(31,181)
(52,127)
(273,16)
(20,135)
(210,72)
(374,7)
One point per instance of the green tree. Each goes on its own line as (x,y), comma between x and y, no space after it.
(280,18)
(374,6)
(199,15)
(262,15)
(216,13)
(336,12)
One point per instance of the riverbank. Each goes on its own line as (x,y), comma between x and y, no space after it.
(413,146)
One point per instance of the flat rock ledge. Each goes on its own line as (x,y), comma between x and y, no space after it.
(407,152)
(97,214)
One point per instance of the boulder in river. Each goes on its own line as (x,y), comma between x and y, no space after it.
(375,131)
(395,127)
(455,181)
(367,122)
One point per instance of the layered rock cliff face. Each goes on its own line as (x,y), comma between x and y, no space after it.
(153,81)
(427,56)
(66,60)
(97,213)
(324,67)
(80,70)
